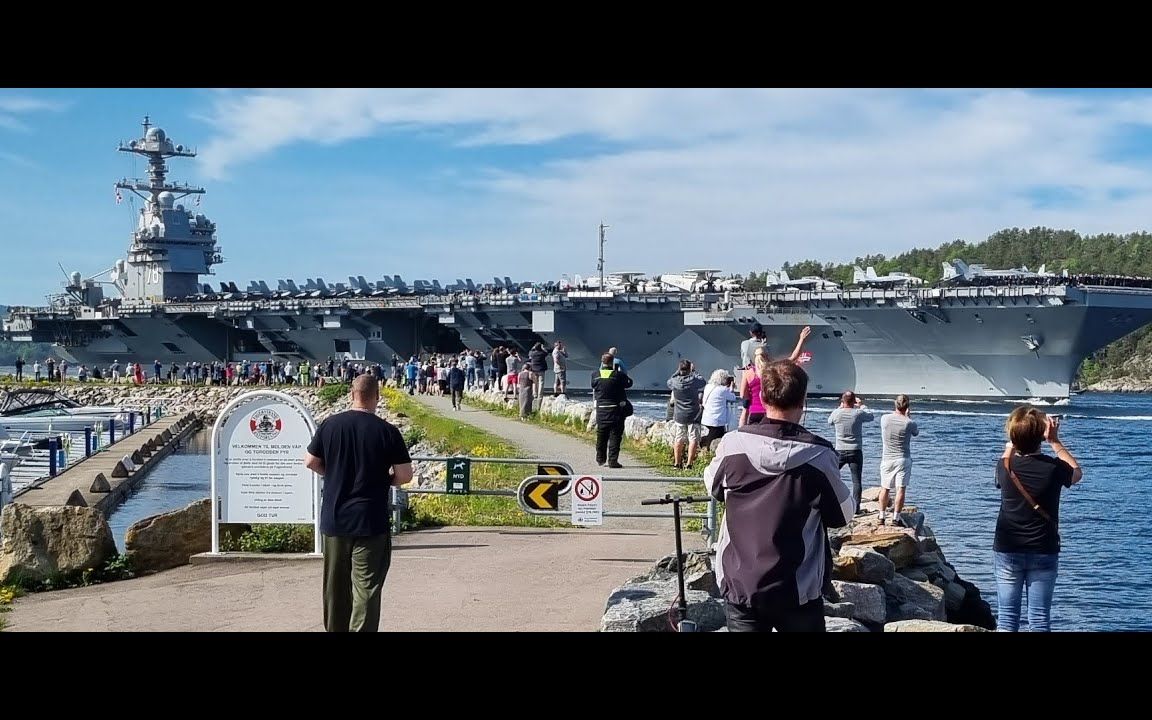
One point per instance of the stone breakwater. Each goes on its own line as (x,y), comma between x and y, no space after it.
(205,401)
(885,579)
(580,413)
(39,543)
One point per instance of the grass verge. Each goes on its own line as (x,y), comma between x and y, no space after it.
(451,437)
(8,593)
(656,455)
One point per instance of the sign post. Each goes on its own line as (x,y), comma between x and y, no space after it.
(588,500)
(459,475)
(258,473)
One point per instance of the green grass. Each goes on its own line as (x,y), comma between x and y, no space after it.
(331,393)
(451,437)
(8,593)
(656,455)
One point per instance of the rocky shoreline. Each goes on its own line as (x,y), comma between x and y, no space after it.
(885,579)
(205,401)
(1121,385)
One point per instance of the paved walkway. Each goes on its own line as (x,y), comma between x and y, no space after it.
(450,579)
(538,441)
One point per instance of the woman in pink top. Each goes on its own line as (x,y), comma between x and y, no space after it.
(750,385)
(753,411)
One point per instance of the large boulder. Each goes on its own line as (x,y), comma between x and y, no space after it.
(839,609)
(644,607)
(914,600)
(44,542)
(869,600)
(838,624)
(857,563)
(698,573)
(929,626)
(953,597)
(974,610)
(166,541)
(912,519)
(636,427)
(915,574)
(897,544)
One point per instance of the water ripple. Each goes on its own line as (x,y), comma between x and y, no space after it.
(1106,530)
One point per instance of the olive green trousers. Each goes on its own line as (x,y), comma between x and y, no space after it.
(354,572)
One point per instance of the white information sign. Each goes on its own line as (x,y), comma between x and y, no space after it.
(588,500)
(258,473)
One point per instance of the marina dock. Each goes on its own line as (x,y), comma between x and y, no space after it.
(104,479)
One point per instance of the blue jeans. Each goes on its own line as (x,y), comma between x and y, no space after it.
(1014,572)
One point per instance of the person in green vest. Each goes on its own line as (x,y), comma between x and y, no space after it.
(609,386)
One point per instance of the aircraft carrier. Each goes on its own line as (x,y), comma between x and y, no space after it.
(978,334)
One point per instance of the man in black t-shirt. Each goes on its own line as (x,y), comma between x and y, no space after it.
(354,451)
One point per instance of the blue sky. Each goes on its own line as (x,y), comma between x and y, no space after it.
(473,183)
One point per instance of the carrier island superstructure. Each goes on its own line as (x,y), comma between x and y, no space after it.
(1000,334)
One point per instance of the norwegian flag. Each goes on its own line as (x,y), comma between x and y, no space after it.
(805,358)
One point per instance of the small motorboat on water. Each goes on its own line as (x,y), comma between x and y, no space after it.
(43,410)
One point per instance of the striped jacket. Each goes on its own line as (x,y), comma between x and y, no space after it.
(781,488)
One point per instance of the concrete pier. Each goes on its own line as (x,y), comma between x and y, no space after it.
(103,480)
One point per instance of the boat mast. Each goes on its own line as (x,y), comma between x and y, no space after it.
(600,259)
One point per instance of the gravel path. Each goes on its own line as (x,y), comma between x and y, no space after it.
(540,442)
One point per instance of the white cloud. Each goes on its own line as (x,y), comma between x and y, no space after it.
(12,107)
(17,159)
(737,178)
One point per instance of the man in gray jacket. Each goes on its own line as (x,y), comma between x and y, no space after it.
(781,488)
(686,387)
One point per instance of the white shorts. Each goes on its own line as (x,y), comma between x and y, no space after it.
(896,472)
(687,431)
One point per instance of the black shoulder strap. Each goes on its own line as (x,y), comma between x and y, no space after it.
(1024,493)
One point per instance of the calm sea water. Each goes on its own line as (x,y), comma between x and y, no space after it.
(1107,532)
(177,480)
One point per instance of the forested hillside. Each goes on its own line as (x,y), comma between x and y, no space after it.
(1129,357)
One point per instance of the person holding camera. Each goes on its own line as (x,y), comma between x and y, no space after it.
(686,386)
(849,419)
(1027,543)
(896,460)
(717,402)
(609,392)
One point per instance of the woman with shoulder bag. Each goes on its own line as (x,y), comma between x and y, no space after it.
(1027,544)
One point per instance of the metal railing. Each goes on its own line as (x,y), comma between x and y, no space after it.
(711,526)
(398,494)
(710,516)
